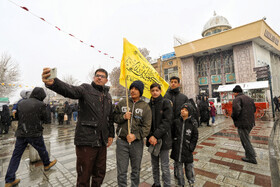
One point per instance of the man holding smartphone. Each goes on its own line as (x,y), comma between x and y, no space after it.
(95,129)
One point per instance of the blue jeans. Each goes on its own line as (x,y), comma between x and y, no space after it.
(164,160)
(124,153)
(21,143)
(213,119)
(75,115)
(189,171)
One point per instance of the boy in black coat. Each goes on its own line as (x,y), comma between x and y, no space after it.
(185,136)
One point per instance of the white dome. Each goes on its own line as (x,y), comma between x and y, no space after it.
(216,21)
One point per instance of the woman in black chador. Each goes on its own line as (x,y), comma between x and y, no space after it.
(204,111)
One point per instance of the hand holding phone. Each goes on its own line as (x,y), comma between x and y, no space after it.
(48,76)
(53,73)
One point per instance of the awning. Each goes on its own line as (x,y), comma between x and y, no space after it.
(244,86)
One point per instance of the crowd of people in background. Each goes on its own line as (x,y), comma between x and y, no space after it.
(168,123)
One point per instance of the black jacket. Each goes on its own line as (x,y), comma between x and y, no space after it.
(5,118)
(243,109)
(32,114)
(185,136)
(161,121)
(204,110)
(67,109)
(95,121)
(178,99)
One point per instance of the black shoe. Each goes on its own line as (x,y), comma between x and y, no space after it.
(154,185)
(252,161)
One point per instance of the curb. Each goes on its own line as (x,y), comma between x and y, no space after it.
(274,153)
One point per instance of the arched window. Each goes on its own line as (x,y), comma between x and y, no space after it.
(215,64)
(202,66)
(228,62)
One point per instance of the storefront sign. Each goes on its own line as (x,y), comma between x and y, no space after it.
(271,37)
(168,56)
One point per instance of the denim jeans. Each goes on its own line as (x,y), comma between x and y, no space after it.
(213,119)
(124,153)
(164,160)
(21,143)
(75,115)
(189,171)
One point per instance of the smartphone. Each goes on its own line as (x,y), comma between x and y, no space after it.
(53,73)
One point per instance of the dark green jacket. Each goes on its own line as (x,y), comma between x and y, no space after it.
(140,122)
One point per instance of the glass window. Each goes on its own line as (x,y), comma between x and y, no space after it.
(202,66)
(228,62)
(208,33)
(215,64)
(170,72)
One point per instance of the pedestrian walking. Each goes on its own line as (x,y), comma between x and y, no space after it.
(49,114)
(276,102)
(68,112)
(185,136)
(53,110)
(243,109)
(60,113)
(204,111)
(213,111)
(31,115)
(5,119)
(195,112)
(75,112)
(95,128)
(130,145)
(159,139)
(178,99)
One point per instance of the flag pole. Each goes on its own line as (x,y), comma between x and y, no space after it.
(127,105)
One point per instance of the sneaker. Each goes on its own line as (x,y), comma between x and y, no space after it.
(15,182)
(46,168)
(252,161)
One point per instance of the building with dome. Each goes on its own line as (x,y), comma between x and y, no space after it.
(224,55)
(215,25)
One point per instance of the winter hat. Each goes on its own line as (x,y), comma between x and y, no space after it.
(188,106)
(237,89)
(211,103)
(139,85)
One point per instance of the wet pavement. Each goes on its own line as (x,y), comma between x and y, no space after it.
(217,158)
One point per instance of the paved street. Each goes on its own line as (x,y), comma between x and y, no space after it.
(217,158)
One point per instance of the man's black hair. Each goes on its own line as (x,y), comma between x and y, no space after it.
(174,77)
(155,85)
(102,70)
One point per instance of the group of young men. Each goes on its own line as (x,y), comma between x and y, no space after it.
(159,121)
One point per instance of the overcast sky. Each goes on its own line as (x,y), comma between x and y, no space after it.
(34,44)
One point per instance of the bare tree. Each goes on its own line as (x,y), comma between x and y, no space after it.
(69,79)
(9,75)
(49,95)
(116,89)
(91,74)
(146,53)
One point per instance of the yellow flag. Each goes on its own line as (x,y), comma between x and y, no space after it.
(134,66)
